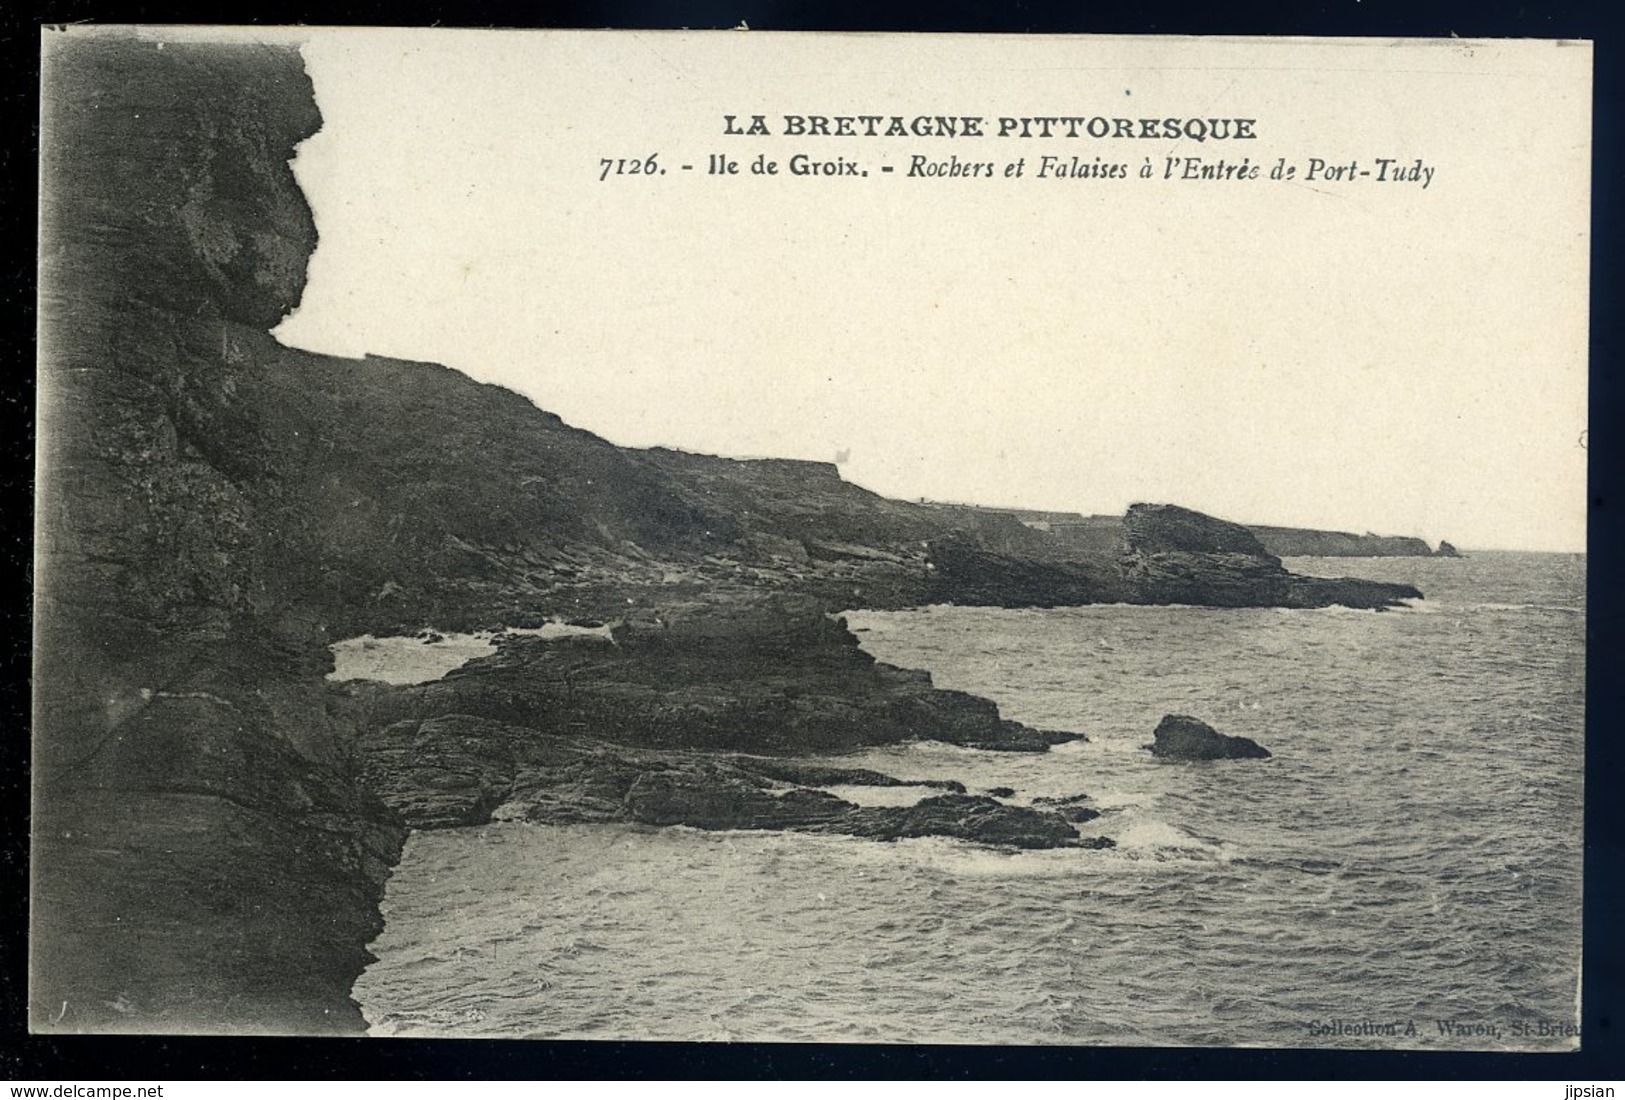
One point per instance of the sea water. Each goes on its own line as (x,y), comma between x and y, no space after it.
(1404,871)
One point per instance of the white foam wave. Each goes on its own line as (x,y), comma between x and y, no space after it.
(431,655)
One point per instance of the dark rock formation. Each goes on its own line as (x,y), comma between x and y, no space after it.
(1181,737)
(1170,529)
(1446,551)
(969,817)
(203,857)
(706,803)
(1346,592)
(446,771)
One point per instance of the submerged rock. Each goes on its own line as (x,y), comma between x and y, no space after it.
(1181,737)
(1071,807)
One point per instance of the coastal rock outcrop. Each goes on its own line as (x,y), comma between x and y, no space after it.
(204,857)
(1176,555)
(775,676)
(1181,737)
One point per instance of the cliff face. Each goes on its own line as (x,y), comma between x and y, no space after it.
(1287,542)
(169,218)
(202,858)
(213,820)
(214,509)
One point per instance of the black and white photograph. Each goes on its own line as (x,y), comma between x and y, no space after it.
(749,537)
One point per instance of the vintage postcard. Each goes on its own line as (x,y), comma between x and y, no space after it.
(728,536)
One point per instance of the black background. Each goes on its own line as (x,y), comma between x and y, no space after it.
(65,1059)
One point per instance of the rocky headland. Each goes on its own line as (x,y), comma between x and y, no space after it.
(214,819)
(1073,532)
(1290,542)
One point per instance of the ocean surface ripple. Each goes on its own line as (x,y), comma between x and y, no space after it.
(1409,857)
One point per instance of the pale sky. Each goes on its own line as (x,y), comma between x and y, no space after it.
(1358,356)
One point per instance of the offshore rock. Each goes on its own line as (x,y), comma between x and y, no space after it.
(1446,551)
(1352,592)
(1181,737)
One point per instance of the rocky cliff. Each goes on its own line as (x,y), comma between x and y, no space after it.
(1287,542)
(1067,533)
(203,858)
(214,820)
